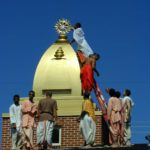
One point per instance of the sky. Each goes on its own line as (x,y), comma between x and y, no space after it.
(119,30)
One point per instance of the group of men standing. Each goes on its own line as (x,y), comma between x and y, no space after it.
(22,119)
(119,117)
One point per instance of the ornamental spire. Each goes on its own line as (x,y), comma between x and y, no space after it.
(63,26)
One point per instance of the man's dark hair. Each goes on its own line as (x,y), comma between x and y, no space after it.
(127,92)
(112,92)
(16,96)
(48,93)
(86,95)
(95,54)
(77,25)
(83,114)
(118,94)
(32,92)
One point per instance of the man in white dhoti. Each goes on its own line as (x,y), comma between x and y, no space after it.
(47,110)
(78,37)
(127,104)
(15,120)
(87,128)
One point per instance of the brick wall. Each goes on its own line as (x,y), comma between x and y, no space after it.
(71,136)
(6,134)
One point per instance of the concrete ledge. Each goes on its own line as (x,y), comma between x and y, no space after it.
(97,113)
(5,115)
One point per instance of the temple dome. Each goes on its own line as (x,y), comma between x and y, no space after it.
(58,71)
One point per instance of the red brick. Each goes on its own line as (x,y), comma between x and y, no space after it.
(70,132)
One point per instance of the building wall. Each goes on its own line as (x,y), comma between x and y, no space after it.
(71,136)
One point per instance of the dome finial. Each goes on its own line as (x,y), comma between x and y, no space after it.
(63,26)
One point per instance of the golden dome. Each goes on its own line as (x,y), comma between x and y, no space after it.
(58,71)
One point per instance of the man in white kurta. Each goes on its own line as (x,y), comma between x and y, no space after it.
(87,128)
(127,103)
(15,120)
(78,36)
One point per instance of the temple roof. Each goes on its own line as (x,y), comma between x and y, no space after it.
(58,70)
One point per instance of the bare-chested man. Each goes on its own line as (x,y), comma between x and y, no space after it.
(87,75)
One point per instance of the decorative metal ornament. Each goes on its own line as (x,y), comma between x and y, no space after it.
(63,26)
(59,53)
